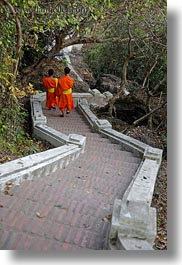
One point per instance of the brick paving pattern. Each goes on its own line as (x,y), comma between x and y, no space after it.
(69,209)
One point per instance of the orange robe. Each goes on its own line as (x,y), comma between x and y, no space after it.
(50,85)
(64,93)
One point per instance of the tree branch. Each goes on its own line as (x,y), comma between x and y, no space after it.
(148,114)
(92,39)
(159,84)
(150,71)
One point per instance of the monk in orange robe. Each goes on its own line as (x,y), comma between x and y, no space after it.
(64,93)
(50,84)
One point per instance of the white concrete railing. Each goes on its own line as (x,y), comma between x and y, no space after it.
(41,130)
(133,225)
(69,147)
(37,165)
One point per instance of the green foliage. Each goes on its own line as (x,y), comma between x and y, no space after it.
(147,25)
(103,58)
(18,147)
(12,117)
(14,140)
(42,22)
(28,29)
(164,140)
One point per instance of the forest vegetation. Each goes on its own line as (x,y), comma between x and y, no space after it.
(127,39)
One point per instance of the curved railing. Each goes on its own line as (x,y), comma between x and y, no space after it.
(133,224)
(68,148)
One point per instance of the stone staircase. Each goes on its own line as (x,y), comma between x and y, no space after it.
(70,208)
(93,191)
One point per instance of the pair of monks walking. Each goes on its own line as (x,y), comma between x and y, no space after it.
(59,91)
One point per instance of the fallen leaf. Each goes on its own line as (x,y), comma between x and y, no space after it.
(7,192)
(39,215)
(58,205)
(64,208)
(9,183)
(86,225)
(107,218)
(72,186)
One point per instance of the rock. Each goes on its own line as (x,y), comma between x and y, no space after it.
(108,95)
(108,82)
(130,108)
(80,86)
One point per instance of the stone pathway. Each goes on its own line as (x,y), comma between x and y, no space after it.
(71,208)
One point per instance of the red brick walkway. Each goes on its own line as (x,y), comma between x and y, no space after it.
(71,208)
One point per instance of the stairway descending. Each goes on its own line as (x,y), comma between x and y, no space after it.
(71,208)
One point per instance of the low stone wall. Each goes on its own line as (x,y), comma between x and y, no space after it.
(37,165)
(36,109)
(94,97)
(69,147)
(133,225)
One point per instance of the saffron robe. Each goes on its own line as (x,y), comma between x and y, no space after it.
(64,93)
(50,85)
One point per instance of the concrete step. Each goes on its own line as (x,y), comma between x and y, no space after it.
(101,148)
(66,209)
(115,152)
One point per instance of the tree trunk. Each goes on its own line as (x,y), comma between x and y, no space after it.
(122,90)
(150,119)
